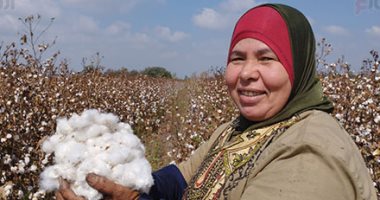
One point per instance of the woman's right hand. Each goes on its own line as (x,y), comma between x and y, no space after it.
(108,188)
(65,193)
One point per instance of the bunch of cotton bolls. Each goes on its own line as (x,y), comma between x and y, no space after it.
(95,142)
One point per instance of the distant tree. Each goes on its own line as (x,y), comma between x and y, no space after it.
(157,72)
(94,63)
(123,70)
(134,72)
(114,72)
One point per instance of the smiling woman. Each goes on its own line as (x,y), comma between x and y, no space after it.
(257,81)
(284,145)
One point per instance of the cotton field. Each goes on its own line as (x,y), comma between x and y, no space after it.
(171,117)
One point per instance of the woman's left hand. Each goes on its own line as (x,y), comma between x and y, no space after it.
(108,188)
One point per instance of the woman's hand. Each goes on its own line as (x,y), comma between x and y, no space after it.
(108,188)
(65,193)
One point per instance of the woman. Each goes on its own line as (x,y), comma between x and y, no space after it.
(284,145)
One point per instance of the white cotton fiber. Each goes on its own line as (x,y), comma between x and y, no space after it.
(95,142)
(49,176)
(63,127)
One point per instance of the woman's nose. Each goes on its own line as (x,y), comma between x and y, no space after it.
(249,71)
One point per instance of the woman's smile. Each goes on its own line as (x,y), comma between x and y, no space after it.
(250,96)
(250,93)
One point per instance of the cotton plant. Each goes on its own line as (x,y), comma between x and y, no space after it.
(99,143)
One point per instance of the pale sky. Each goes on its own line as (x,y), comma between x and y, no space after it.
(184,36)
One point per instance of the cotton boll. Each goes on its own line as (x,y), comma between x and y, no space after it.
(91,115)
(90,132)
(128,140)
(96,130)
(77,123)
(131,154)
(71,152)
(138,153)
(63,127)
(95,165)
(99,143)
(125,127)
(94,146)
(83,189)
(108,120)
(65,171)
(142,169)
(94,117)
(103,141)
(50,144)
(103,169)
(50,176)
(91,143)
(118,155)
(135,174)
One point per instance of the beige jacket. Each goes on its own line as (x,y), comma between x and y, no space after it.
(313,159)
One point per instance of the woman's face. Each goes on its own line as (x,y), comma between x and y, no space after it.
(257,82)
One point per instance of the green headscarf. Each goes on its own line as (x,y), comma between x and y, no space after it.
(306,91)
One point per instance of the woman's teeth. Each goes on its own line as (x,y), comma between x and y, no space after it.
(250,93)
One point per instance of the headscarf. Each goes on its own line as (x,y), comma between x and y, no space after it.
(292,40)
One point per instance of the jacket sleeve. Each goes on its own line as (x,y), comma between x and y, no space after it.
(169,184)
(315,160)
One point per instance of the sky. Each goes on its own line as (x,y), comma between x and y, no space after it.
(184,36)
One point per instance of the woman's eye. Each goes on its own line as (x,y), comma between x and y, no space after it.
(266,58)
(236,59)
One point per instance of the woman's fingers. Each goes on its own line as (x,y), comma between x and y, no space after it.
(63,184)
(62,195)
(102,184)
(110,188)
(58,196)
(65,193)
